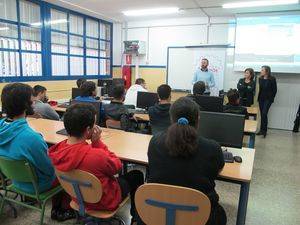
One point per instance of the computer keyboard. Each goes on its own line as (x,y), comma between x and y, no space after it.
(228,157)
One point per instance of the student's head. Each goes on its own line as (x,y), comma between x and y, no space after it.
(79,120)
(88,88)
(182,135)
(266,71)
(199,88)
(233,97)
(249,73)
(204,63)
(40,93)
(80,81)
(141,81)
(118,92)
(16,100)
(164,92)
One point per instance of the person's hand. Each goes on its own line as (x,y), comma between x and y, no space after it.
(96,134)
(135,118)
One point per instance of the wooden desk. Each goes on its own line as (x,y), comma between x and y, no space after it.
(252,111)
(59,109)
(132,147)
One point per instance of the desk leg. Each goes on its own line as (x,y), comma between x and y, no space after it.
(252,140)
(243,202)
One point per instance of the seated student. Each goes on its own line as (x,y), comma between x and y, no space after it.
(40,106)
(95,158)
(80,81)
(131,95)
(117,111)
(179,156)
(88,92)
(199,88)
(15,132)
(159,114)
(233,105)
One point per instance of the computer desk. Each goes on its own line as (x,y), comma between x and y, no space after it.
(133,147)
(59,109)
(249,130)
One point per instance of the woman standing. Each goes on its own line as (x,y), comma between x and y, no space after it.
(179,156)
(246,87)
(266,95)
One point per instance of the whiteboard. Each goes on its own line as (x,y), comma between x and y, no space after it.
(184,61)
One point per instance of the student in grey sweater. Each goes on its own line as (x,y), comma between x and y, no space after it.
(40,106)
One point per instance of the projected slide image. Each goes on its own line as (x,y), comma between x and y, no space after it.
(273,41)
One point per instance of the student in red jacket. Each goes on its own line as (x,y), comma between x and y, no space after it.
(95,158)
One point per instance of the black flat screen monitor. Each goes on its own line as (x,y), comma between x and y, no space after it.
(76,92)
(209,103)
(146,100)
(226,129)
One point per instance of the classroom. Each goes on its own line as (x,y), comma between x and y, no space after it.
(161,112)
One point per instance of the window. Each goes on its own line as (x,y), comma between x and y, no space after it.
(8,10)
(59,44)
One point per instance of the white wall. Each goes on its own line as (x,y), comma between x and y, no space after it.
(160,34)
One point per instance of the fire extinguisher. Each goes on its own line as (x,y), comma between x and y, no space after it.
(126,71)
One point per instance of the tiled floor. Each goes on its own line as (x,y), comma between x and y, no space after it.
(274,193)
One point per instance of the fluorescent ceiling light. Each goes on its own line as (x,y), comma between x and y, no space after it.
(259,3)
(4,28)
(147,12)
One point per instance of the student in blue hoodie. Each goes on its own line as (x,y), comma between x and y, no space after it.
(88,92)
(15,134)
(19,141)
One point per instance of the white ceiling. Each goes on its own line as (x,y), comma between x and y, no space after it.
(112,9)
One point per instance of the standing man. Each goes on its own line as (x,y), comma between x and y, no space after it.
(203,74)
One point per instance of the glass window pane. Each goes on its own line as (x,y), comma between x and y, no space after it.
(31,38)
(8,10)
(9,36)
(59,65)
(92,28)
(76,24)
(59,42)
(9,64)
(30,13)
(104,67)
(76,66)
(32,64)
(105,31)
(76,45)
(92,66)
(92,48)
(59,20)
(104,49)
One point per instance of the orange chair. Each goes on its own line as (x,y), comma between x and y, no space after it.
(86,188)
(159,204)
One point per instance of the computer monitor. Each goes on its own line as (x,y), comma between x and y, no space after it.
(106,86)
(105,82)
(97,106)
(146,100)
(118,81)
(226,129)
(209,103)
(76,92)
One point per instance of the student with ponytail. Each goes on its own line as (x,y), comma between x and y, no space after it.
(179,156)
